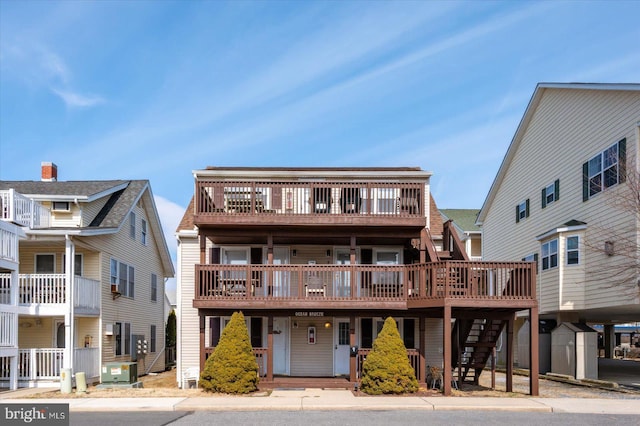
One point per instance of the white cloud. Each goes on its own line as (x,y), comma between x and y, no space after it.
(72,99)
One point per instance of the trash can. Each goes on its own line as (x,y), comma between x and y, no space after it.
(65,380)
(81,382)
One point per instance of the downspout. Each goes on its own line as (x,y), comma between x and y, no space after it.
(69,317)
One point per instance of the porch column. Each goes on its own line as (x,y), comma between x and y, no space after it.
(202,331)
(352,261)
(446,369)
(534,352)
(509,359)
(270,348)
(353,376)
(422,345)
(69,328)
(609,340)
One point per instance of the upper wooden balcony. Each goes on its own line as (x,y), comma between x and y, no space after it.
(463,284)
(23,211)
(223,203)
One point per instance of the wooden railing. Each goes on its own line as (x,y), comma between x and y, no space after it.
(414,360)
(310,198)
(51,289)
(16,208)
(451,279)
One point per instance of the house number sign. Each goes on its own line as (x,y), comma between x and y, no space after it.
(309,314)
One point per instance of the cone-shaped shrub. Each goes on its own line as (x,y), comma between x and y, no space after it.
(232,368)
(387,368)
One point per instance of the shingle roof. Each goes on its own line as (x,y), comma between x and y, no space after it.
(62,188)
(465,219)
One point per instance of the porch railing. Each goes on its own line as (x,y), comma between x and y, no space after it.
(46,363)
(23,211)
(51,289)
(8,242)
(414,360)
(8,329)
(451,279)
(5,289)
(310,198)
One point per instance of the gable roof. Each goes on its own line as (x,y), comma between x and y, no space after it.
(465,219)
(123,196)
(524,123)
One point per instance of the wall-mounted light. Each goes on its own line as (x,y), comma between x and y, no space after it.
(327,324)
(608,248)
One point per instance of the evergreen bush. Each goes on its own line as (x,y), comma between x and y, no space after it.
(387,369)
(232,368)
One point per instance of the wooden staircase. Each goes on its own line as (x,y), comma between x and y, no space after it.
(477,339)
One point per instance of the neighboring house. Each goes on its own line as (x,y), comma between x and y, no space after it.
(571,163)
(87,282)
(317,258)
(464,222)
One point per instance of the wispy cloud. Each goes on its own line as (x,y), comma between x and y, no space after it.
(72,99)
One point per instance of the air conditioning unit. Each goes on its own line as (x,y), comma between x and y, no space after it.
(119,373)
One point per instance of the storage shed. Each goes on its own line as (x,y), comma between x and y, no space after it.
(574,350)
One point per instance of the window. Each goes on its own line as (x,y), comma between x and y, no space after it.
(132,225)
(154,288)
(77,266)
(152,339)
(549,255)
(45,263)
(522,210)
(60,206)
(143,230)
(551,193)
(573,251)
(343,333)
(122,278)
(532,258)
(387,200)
(122,335)
(604,170)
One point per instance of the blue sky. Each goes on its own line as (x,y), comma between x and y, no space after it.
(155,89)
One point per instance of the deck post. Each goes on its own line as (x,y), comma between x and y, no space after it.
(353,377)
(446,370)
(509,377)
(534,352)
(270,348)
(422,369)
(202,327)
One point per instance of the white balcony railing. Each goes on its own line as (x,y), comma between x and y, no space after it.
(8,242)
(5,289)
(8,330)
(16,208)
(46,363)
(51,289)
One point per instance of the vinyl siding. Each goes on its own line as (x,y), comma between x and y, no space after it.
(91,210)
(307,359)
(188,321)
(434,338)
(567,128)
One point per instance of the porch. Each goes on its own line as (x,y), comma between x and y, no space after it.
(47,292)
(40,367)
(16,208)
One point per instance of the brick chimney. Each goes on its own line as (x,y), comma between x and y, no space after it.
(49,171)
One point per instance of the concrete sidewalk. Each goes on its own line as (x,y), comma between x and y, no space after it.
(319,399)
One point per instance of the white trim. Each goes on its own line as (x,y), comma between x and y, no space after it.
(560,230)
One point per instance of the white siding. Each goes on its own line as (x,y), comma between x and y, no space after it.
(188,321)
(434,335)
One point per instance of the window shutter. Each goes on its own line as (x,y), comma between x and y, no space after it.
(526,210)
(535,259)
(585,181)
(622,160)
(214,257)
(556,184)
(517,213)
(544,197)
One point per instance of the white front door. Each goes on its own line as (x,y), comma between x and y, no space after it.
(281,346)
(341,346)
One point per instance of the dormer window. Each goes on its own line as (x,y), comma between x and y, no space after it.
(60,206)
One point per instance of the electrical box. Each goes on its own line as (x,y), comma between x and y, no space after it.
(119,372)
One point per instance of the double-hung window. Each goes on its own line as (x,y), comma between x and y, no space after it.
(604,170)
(143,230)
(154,288)
(132,225)
(522,210)
(551,193)
(549,254)
(573,250)
(122,278)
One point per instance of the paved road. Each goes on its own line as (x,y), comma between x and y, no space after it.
(346,418)
(624,372)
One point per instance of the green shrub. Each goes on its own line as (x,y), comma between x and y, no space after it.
(232,368)
(387,369)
